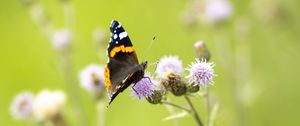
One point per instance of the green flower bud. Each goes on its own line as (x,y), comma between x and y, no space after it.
(156,97)
(201,51)
(193,88)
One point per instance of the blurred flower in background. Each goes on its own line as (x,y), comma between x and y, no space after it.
(48,105)
(217,10)
(61,39)
(209,11)
(201,73)
(92,79)
(22,105)
(169,63)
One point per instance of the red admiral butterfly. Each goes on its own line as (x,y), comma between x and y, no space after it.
(122,68)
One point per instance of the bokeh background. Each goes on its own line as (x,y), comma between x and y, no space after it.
(256,51)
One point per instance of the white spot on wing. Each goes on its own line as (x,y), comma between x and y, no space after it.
(123,35)
(115,31)
(119,26)
(115,36)
(117,42)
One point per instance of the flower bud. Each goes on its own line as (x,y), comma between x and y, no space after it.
(172,82)
(193,88)
(156,97)
(201,51)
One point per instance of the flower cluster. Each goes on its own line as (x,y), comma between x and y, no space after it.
(45,106)
(169,77)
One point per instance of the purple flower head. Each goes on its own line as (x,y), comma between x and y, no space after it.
(169,63)
(143,88)
(201,73)
(216,10)
(22,105)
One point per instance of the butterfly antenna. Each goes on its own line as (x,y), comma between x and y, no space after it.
(149,47)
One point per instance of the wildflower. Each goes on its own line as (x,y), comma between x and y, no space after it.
(61,39)
(217,10)
(201,50)
(169,63)
(172,82)
(143,88)
(21,107)
(92,78)
(201,73)
(48,105)
(156,97)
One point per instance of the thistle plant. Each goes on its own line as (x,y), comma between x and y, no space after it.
(170,78)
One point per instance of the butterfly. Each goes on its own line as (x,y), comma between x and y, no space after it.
(122,68)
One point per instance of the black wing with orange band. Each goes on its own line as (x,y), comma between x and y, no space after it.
(122,59)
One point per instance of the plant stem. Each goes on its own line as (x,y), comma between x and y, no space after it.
(101,113)
(72,86)
(194,112)
(177,106)
(207,106)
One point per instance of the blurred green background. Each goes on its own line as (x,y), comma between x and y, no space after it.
(256,52)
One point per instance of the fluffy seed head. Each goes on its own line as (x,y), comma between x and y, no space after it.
(48,105)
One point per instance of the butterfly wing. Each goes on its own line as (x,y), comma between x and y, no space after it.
(122,60)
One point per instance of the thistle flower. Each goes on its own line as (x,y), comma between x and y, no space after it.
(172,82)
(21,107)
(48,105)
(201,51)
(201,73)
(143,88)
(217,10)
(169,63)
(61,39)
(92,78)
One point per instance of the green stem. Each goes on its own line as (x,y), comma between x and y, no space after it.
(177,106)
(207,106)
(194,112)
(101,113)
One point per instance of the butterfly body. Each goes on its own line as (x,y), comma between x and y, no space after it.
(122,68)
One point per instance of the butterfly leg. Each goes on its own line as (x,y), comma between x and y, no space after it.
(148,79)
(134,89)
